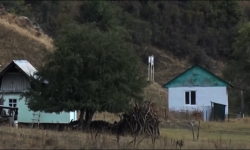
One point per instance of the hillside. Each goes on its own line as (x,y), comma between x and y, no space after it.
(21,43)
(168,66)
(178,34)
(177,44)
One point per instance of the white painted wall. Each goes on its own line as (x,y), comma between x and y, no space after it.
(73,115)
(204,96)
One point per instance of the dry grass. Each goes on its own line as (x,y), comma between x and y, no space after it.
(213,135)
(21,43)
(14,24)
(167,66)
(219,133)
(106,117)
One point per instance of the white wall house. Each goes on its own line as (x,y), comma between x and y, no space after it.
(13,81)
(198,89)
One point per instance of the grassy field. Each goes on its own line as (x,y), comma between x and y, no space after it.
(212,135)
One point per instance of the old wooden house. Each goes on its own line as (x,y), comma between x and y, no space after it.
(14,79)
(199,89)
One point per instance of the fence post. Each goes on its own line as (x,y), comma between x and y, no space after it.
(228,117)
(165,114)
(206,115)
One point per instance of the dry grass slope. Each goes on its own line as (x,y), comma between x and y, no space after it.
(21,43)
(167,66)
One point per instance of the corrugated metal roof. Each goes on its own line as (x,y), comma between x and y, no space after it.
(25,66)
(14,82)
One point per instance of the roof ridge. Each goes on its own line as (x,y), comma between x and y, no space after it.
(164,86)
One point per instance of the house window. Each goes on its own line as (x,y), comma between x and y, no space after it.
(12,102)
(190,97)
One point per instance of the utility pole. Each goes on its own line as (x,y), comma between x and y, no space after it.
(151,68)
(149,60)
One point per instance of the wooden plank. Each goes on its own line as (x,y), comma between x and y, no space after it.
(6,107)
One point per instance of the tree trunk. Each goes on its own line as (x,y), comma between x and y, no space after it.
(242,104)
(81,118)
(89,115)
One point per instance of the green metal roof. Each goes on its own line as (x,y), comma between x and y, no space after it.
(197,76)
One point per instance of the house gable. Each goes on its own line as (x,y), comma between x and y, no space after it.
(14,77)
(197,76)
(21,66)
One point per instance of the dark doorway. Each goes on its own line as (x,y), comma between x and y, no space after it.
(218,111)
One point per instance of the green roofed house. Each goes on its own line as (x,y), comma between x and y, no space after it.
(198,89)
(14,79)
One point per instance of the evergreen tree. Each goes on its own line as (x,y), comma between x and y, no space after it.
(237,70)
(91,70)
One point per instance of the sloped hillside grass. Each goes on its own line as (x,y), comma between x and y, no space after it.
(17,42)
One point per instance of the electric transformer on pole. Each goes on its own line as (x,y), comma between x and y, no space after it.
(151,68)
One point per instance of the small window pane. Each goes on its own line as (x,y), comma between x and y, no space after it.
(187,97)
(10,100)
(193,98)
(14,105)
(14,100)
(10,105)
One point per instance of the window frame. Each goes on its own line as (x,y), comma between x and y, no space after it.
(189,91)
(12,103)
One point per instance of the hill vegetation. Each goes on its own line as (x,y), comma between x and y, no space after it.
(20,43)
(178,33)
